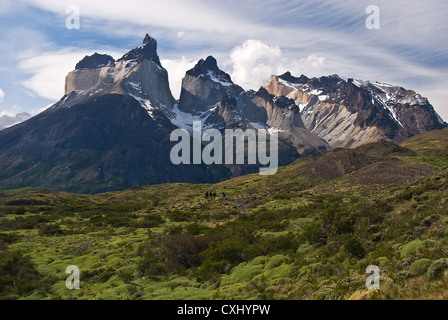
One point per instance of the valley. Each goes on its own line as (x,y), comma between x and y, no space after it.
(308,232)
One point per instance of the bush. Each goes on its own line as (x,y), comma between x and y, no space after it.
(276,261)
(314,234)
(285,243)
(355,248)
(411,248)
(152,221)
(18,275)
(149,265)
(182,251)
(180,216)
(126,276)
(20,211)
(420,267)
(50,230)
(436,269)
(195,229)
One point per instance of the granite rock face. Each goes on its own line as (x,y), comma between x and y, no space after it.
(348,113)
(209,94)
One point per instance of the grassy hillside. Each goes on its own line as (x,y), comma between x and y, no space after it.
(430,148)
(308,232)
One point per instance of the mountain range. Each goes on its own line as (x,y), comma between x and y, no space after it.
(9,121)
(111,129)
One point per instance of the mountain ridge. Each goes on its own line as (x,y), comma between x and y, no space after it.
(348,113)
(75,153)
(9,121)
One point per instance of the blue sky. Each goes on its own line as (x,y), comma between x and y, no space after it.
(251,40)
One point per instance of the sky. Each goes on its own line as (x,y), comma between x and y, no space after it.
(251,39)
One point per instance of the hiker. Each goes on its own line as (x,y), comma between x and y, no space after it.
(214,195)
(224,195)
(206,195)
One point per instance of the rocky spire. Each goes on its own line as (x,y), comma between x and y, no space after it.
(147,51)
(147,39)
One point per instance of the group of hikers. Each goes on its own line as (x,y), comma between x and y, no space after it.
(213,195)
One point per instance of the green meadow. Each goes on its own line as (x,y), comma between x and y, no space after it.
(308,232)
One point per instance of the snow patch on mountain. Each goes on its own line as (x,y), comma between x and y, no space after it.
(145,104)
(185,120)
(218,79)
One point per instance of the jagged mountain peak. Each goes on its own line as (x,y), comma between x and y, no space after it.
(287,76)
(8,121)
(148,39)
(209,69)
(349,112)
(203,66)
(146,51)
(204,86)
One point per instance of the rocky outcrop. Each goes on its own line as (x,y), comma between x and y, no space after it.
(204,86)
(138,74)
(284,116)
(348,113)
(210,94)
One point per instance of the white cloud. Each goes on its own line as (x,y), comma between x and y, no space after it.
(254,62)
(11,111)
(2,95)
(48,71)
(317,37)
(174,14)
(176,71)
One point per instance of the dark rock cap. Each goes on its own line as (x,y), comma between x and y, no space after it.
(203,66)
(287,76)
(209,65)
(95,61)
(147,39)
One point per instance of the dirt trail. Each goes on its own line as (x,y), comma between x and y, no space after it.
(243,206)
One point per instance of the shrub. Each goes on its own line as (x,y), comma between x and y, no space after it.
(180,216)
(182,251)
(50,230)
(18,275)
(20,211)
(149,265)
(420,267)
(436,269)
(195,229)
(314,234)
(411,248)
(278,244)
(126,275)
(152,221)
(276,261)
(355,248)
